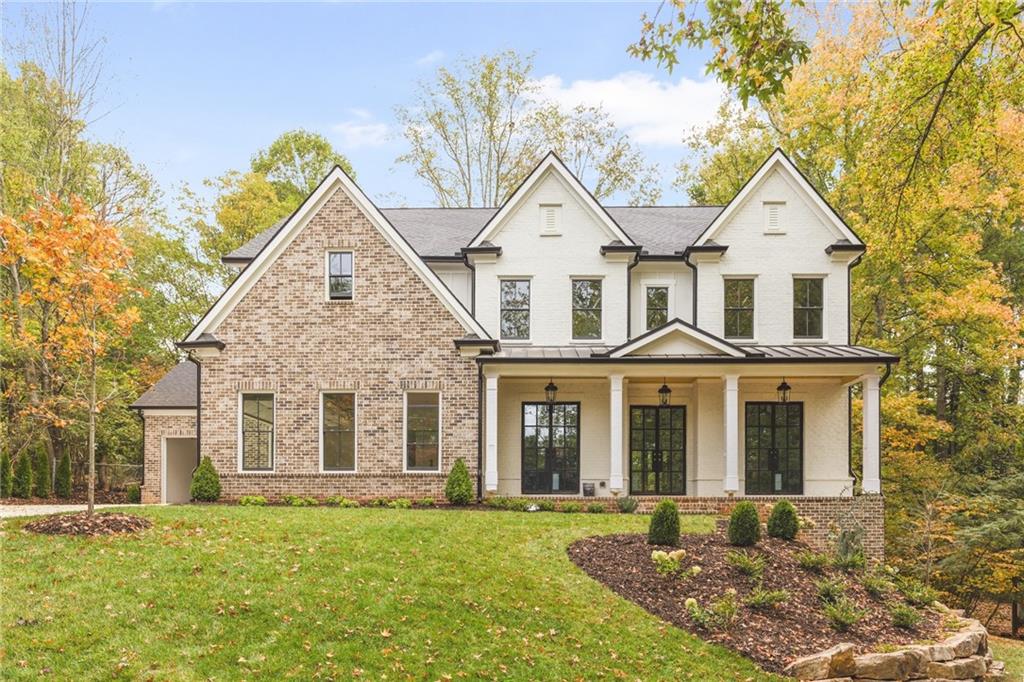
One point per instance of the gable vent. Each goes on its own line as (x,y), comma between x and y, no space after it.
(773,216)
(550,219)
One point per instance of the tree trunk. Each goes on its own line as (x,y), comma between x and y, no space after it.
(92,432)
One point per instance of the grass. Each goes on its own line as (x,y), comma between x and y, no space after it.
(272,592)
(1011,652)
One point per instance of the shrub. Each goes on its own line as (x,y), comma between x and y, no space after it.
(783,522)
(596,508)
(62,485)
(425,502)
(664,529)
(719,615)
(876,584)
(458,489)
(252,501)
(342,501)
(400,503)
(626,505)
(916,592)
(41,473)
(905,617)
(134,493)
(545,506)
(853,561)
(205,482)
(22,484)
(760,598)
(519,504)
(812,561)
(572,507)
(6,475)
(830,590)
(380,502)
(667,563)
(849,543)
(843,613)
(744,525)
(748,564)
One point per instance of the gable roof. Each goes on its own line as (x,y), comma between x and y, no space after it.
(778,160)
(176,390)
(550,164)
(686,330)
(335,181)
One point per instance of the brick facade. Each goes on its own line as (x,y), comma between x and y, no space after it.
(158,427)
(284,338)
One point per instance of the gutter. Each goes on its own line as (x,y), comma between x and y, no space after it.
(479,432)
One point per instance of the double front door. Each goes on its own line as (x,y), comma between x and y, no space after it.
(774,446)
(551,448)
(657,452)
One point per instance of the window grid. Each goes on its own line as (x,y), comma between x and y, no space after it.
(739,308)
(338,432)
(808,307)
(340,277)
(515,309)
(657,306)
(586,309)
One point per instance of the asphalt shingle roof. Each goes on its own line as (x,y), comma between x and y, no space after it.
(177,388)
(661,230)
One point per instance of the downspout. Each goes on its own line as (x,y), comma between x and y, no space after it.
(472,284)
(693,288)
(849,391)
(629,295)
(142,418)
(885,377)
(199,408)
(479,431)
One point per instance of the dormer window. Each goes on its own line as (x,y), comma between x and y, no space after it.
(550,219)
(773,217)
(340,280)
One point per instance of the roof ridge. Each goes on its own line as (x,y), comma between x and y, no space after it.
(494,208)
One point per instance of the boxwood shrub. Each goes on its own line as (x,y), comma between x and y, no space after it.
(458,489)
(205,482)
(664,529)
(783,522)
(744,525)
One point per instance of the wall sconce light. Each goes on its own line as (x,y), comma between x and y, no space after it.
(783,390)
(551,391)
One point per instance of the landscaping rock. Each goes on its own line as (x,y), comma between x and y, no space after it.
(969,641)
(959,669)
(832,663)
(897,665)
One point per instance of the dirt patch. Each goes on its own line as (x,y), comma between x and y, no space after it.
(772,637)
(78,496)
(83,524)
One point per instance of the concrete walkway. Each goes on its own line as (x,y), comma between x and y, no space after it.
(9,511)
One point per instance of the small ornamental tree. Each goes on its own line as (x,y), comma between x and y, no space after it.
(6,475)
(41,473)
(62,486)
(205,482)
(744,525)
(458,489)
(22,486)
(783,522)
(664,528)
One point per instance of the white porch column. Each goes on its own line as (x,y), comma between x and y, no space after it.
(491,434)
(732,426)
(615,431)
(871,478)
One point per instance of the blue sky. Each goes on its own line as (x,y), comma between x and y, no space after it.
(193,89)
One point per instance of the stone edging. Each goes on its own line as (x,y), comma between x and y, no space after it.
(961,656)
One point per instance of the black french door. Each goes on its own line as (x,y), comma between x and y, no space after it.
(774,445)
(551,448)
(657,450)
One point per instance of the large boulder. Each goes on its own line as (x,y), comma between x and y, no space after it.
(896,665)
(972,639)
(959,669)
(836,662)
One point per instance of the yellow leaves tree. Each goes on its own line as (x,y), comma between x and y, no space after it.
(69,309)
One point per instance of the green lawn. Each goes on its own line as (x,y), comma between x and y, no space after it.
(237,592)
(1012,653)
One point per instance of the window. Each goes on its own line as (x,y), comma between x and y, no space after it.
(657,306)
(339,276)
(808,304)
(586,309)
(257,431)
(739,308)
(550,219)
(338,424)
(422,432)
(774,448)
(515,309)
(773,211)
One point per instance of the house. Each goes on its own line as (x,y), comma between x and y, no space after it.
(560,347)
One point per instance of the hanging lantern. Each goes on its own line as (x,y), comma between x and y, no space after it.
(783,390)
(664,395)
(551,391)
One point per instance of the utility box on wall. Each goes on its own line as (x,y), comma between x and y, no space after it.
(588,490)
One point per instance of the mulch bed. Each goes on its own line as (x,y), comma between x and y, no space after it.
(83,524)
(772,638)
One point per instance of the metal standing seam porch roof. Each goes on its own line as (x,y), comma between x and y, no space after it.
(443,232)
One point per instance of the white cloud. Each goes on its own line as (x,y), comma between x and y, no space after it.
(432,57)
(652,112)
(362,130)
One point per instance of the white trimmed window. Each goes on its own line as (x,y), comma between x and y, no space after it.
(256,431)
(515,309)
(338,431)
(340,276)
(422,431)
(808,307)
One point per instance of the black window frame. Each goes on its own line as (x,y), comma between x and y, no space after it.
(503,308)
(406,442)
(648,308)
(588,310)
(804,312)
(526,474)
(245,428)
(341,276)
(325,429)
(735,310)
(642,434)
(793,477)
